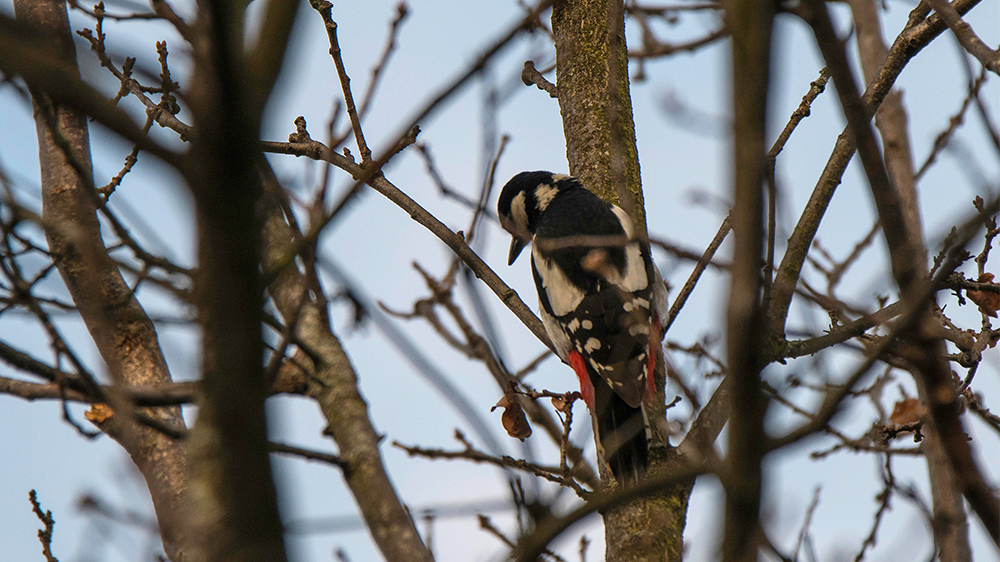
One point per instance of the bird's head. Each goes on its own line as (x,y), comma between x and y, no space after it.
(522,202)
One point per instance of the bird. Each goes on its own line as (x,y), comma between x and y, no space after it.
(601,300)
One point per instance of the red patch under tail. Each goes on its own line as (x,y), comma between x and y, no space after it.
(580,368)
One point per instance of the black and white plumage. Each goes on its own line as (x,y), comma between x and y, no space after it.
(600,298)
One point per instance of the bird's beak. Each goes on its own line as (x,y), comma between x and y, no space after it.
(516,245)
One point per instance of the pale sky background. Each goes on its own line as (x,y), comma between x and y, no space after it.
(375,243)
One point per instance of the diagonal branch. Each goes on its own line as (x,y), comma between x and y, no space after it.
(509,297)
(990,58)
(916,35)
(335,388)
(122,332)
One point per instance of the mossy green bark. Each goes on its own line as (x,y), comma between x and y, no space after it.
(596,108)
(595,102)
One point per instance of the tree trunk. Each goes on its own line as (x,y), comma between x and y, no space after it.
(596,108)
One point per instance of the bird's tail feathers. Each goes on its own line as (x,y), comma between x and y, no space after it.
(623,434)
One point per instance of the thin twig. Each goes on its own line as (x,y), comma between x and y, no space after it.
(552,474)
(306,454)
(530,75)
(688,287)
(383,61)
(44,535)
(324,9)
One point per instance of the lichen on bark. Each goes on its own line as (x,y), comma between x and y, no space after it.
(595,104)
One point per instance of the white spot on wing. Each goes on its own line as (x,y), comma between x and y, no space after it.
(636,329)
(544,194)
(573,325)
(587,325)
(592,344)
(563,295)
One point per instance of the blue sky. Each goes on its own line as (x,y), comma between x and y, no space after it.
(376,242)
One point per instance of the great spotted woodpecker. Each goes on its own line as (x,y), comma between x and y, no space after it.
(601,300)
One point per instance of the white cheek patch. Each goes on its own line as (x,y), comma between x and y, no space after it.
(563,295)
(518,212)
(544,194)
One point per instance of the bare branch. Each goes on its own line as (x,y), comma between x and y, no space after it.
(989,58)
(325,8)
(44,535)
(530,75)
(918,33)
(552,474)
(703,262)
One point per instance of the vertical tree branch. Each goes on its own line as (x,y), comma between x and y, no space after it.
(951,530)
(892,122)
(234,508)
(595,102)
(749,23)
(122,332)
(596,108)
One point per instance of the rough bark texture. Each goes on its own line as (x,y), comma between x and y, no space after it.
(595,101)
(596,108)
(234,504)
(749,22)
(122,332)
(334,386)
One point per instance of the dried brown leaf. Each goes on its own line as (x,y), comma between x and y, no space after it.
(907,411)
(564,403)
(513,418)
(987,301)
(98,413)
